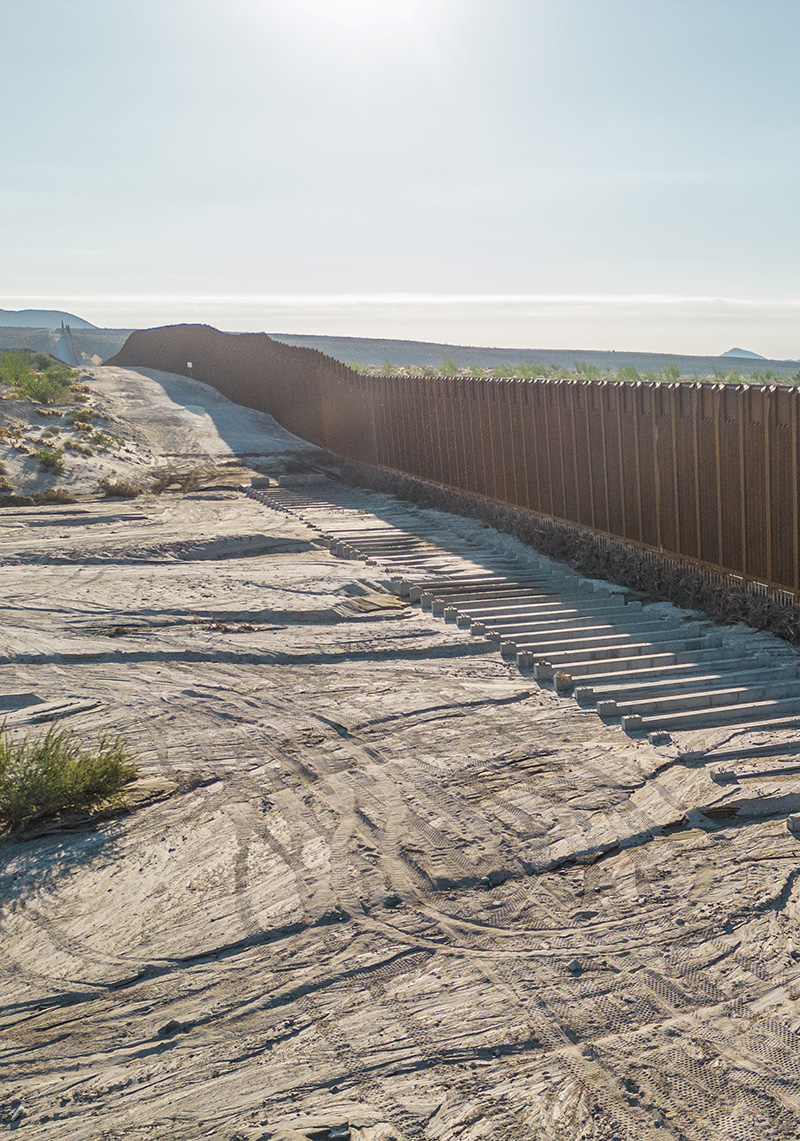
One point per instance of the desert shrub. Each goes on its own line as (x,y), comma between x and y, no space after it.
(56,495)
(627,372)
(60,372)
(101,440)
(42,778)
(587,371)
(41,361)
(44,388)
(672,373)
(14,367)
(119,488)
(83,415)
(448,367)
(529,370)
(171,478)
(12,500)
(51,459)
(356,367)
(79,448)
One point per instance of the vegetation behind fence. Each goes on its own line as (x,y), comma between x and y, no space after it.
(706,473)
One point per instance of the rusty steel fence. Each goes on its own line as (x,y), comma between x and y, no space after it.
(705,474)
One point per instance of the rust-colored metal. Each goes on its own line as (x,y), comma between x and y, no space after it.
(696,460)
(673,424)
(795,477)
(707,474)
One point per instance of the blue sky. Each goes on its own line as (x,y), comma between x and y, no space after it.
(539,173)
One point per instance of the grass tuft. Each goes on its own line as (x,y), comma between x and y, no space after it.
(40,779)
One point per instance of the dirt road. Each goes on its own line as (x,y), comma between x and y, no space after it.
(388,882)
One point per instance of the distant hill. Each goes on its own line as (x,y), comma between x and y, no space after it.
(744,353)
(86,345)
(373,352)
(41,319)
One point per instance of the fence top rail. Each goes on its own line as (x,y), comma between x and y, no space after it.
(715,386)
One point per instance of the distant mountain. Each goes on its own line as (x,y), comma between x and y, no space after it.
(41,319)
(80,347)
(744,353)
(373,352)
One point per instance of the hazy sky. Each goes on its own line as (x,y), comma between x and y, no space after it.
(538,173)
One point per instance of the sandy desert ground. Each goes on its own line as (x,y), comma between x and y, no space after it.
(372,876)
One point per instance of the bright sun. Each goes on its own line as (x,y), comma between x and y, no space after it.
(363,18)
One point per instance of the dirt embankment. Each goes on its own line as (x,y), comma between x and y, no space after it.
(131,430)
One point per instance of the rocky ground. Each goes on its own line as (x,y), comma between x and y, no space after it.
(372,876)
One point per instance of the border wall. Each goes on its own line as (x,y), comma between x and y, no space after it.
(699,474)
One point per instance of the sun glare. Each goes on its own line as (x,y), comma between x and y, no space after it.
(361,20)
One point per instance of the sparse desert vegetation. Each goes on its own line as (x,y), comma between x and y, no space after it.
(52,423)
(309,847)
(37,376)
(119,488)
(51,459)
(43,777)
(586,371)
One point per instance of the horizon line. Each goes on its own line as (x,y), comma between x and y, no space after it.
(403,298)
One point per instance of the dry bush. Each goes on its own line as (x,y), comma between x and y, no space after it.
(55,495)
(76,446)
(118,488)
(172,478)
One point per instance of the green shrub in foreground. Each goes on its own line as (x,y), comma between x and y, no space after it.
(41,778)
